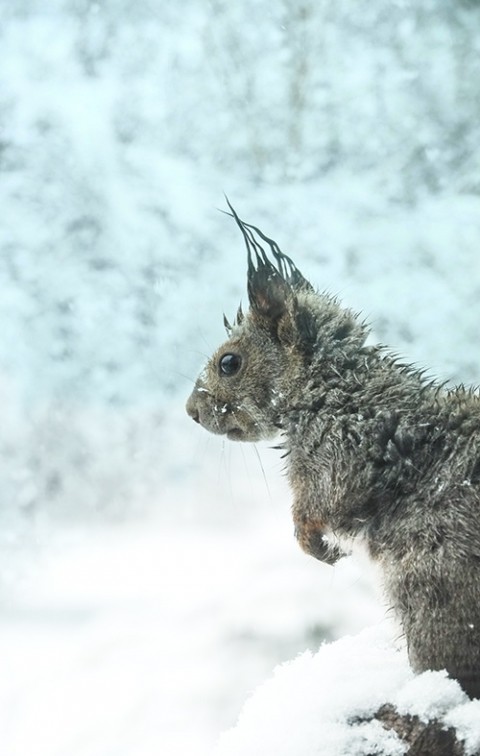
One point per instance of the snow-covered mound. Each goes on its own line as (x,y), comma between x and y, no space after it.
(322,703)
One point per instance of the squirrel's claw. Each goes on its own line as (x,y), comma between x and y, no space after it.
(311,537)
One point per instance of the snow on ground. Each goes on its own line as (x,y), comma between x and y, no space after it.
(316,703)
(143,640)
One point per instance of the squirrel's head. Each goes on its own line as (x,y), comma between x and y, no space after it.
(247,384)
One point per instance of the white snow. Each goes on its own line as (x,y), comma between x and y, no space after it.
(310,704)
(135,638)
(150,579)
(318,703)
(465,718)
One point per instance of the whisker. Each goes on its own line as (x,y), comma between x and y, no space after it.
(257,453)
(203,355)
(159,375)
(209,346)
(182,375)
(224,471)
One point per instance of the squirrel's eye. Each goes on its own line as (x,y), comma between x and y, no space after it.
(230,364)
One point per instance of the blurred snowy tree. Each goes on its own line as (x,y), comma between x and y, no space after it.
(389,87)
(120,126)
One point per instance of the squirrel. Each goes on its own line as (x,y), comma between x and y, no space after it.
(376,454)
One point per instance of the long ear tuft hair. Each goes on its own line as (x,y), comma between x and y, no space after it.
(269,284)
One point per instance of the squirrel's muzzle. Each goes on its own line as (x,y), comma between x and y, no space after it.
(192,409)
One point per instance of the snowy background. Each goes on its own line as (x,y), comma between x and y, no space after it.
(149,575)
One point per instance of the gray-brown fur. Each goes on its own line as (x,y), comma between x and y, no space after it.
(374,452)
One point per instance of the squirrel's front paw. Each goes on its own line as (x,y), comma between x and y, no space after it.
(311,537)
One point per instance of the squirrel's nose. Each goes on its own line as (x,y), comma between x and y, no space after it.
(192,410)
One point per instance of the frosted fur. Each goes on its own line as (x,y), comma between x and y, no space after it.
(374,453)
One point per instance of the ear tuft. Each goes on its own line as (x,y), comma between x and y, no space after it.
(272,283)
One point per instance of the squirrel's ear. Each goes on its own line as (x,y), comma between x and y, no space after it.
(268,292)
(271,285)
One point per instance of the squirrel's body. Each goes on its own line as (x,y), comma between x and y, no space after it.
(375,454)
